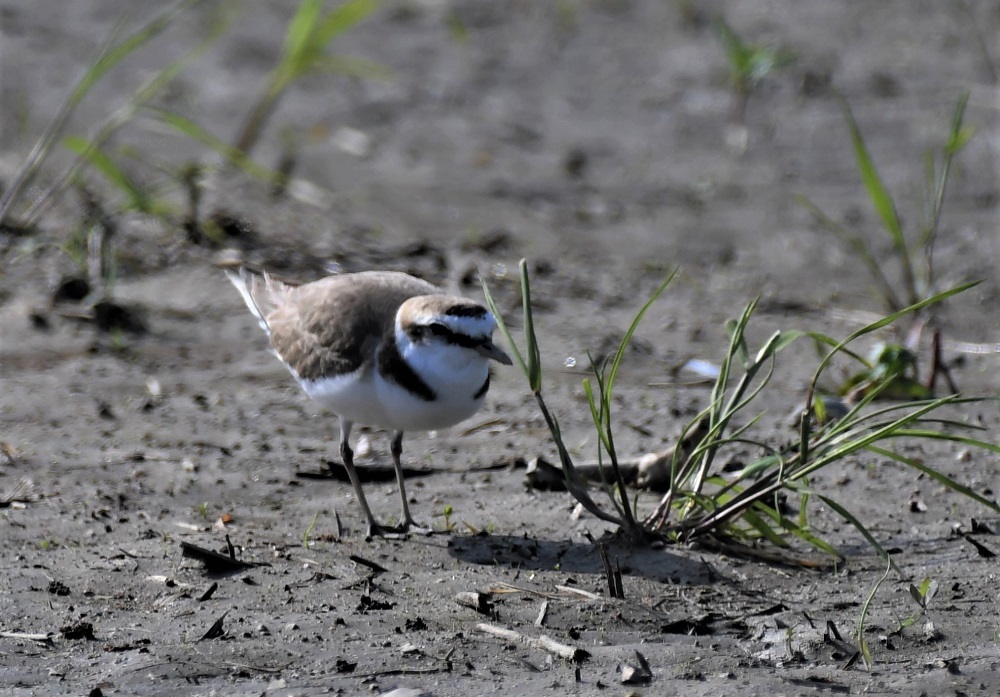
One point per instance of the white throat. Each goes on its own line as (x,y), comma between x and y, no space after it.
(455,375)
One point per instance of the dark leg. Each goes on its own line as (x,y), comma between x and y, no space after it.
(407,523)
(347,455)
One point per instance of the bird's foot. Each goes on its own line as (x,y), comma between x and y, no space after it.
(396,532)
(414,528)
(384,531)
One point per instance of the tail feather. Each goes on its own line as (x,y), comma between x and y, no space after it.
(259,292)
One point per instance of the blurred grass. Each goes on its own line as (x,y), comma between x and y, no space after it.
(111,54)
(915,258)
(307,37)
(749,63)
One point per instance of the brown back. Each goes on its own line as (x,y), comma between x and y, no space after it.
(333,325)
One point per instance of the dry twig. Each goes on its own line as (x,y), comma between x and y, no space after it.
(543,642)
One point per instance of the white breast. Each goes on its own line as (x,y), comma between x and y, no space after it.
(453,373)
(352,396)
(365,397)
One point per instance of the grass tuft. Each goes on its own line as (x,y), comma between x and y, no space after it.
(307,37)
(915,257)
(746,507)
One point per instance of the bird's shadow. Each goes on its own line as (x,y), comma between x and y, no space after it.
(368,474)
(530,553)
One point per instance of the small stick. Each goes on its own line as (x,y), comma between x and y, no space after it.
(571,653)
(216,630)
(257,668)
(209,593)
(578,591)
(361,582)
(40,638)
(505,588)
(403,671)
(542,612)
(939,366)
(613,588)
(377,568)
(617,578)
(213,561)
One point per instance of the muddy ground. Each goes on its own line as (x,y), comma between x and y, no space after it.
(593,138)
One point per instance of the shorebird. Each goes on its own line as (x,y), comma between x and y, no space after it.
(379,348)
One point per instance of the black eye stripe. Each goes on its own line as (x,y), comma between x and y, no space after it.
(452,337)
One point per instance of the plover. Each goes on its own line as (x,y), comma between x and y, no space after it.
(379,348)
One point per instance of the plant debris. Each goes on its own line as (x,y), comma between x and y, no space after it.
(543,642)
(215,562)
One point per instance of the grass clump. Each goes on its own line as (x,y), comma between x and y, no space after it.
(111,54)
(914,253)
(305,52)
(139,185)
(745,508)
(309,33)
(749,63)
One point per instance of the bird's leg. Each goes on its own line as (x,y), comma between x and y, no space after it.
(347,455)
(407,524)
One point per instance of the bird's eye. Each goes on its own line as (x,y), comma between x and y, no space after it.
(439,329)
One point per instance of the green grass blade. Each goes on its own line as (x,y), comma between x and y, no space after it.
(306,39)
(734,351)
(117,53)
(121,117)
(859,247)
(738,53)
(934,434)
(233,155)
(623,345)
(595,414)
(883,322)
(109,56)
(758,524)
(344,17)
(880,198)
(959,134)
(824,340)
(759,466)
(859,439)
(937,476)
(300,32)
(742,353)
(534,362)
(850,518)
(848,442)
(138,199)
(720,408)
(352,66)
(797,530)
(788,337)
(860,635)
(502,325)
(804,495)
(578,491)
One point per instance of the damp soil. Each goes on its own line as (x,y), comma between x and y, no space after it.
(595,139)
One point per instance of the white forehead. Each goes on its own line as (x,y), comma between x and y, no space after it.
(459,315)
